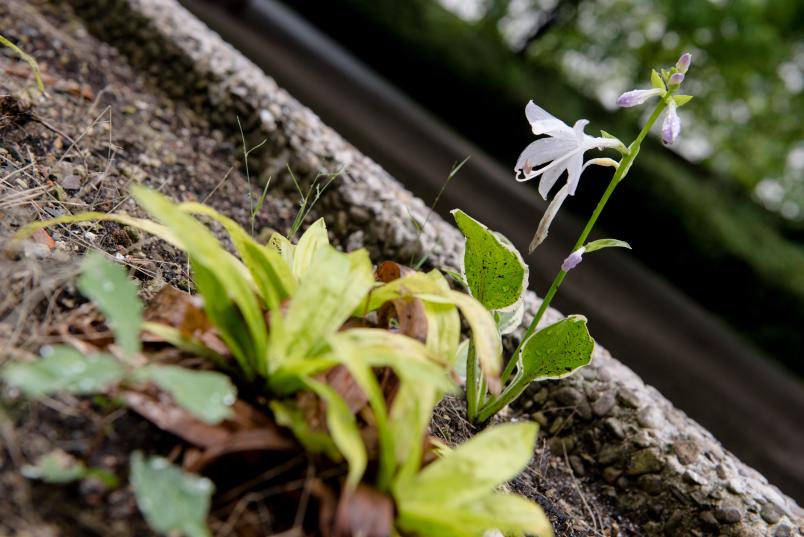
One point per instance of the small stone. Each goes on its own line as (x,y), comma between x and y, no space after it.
(783,531)
(694,477)
(708,518)
(359,214)
(651,483)
(687,451)
(674,521)
(568,396)
(628,398)
(70,182)
(539,418)
(643,438)
(645,461)
(577,465)
(611,474)
(556,426)
(615,427)
(735,486)
(559,445)
(604,404)
(770,513)
(649,417)
(728,513)
(541,396)
(609,454)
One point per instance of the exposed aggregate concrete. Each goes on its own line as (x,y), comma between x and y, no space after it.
(657,464)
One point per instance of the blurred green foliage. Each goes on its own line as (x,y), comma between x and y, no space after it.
(748,74)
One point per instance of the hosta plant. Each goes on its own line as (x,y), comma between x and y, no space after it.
(495,273)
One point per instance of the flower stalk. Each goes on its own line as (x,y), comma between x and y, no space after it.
(620,174)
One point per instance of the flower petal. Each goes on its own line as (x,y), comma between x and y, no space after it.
(541,151)
(547,219)
(550,177)
(574,172)
(578,128)
(542,122)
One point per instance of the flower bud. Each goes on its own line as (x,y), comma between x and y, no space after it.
(636,97)
(671,126)
(573,260)
(676,79)
(684,62)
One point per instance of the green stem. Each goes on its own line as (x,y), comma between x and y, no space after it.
(619,175)
(473,383)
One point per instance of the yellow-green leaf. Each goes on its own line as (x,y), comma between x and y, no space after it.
(205,251)
(473,470)
(270,272)
(343,428)
(310,243)
(333,286)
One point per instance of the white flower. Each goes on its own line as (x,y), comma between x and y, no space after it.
(563,148)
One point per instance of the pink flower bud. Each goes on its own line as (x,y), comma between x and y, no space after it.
(676,79)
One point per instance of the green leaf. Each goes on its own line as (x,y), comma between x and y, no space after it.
(556,351)
(310,243)
(56,467)
(170,499)
(496,273)
(606,243)
(106,283)
(207,395)
(471,471)
(60,467)
(410,417)
(443,324)
(332,288)
(681,100)
(656,80)
(343,427)
(64,369)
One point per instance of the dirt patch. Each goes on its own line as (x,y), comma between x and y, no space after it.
(102,128)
